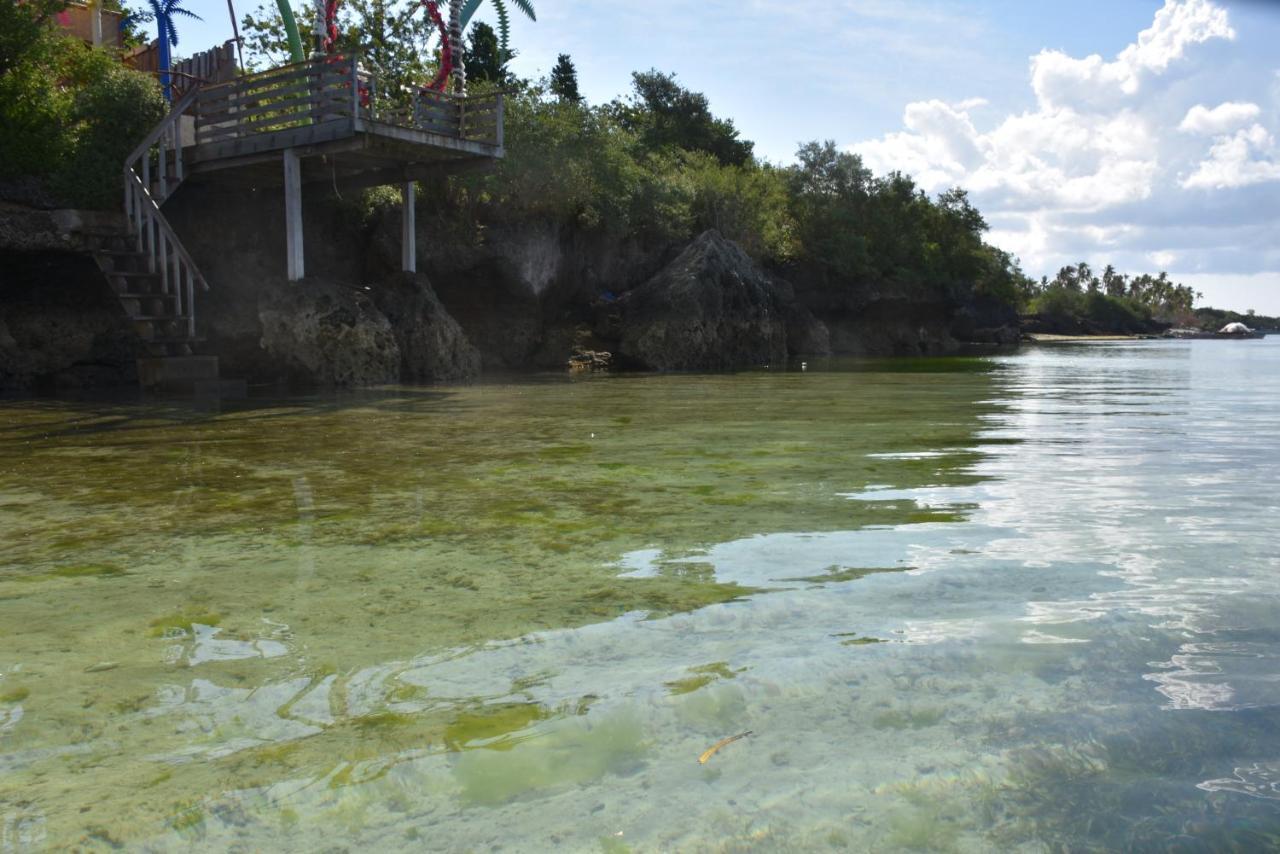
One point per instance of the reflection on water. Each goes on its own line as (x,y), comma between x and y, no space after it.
(976,604)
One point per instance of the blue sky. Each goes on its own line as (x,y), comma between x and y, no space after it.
(1137,133)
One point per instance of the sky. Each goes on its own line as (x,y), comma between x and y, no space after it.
(1140,133)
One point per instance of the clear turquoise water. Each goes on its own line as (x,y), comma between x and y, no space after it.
(1025,602)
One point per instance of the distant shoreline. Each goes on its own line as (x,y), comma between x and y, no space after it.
(1052,338)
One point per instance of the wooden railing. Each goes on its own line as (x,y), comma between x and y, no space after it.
(334,88)
(151,173)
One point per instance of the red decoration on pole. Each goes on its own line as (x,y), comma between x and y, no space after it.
(441,80)
(330,26)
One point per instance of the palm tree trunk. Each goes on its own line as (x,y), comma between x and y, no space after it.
(162,28)
(455,47)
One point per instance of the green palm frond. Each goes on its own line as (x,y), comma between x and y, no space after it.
(504,30)
(472,6)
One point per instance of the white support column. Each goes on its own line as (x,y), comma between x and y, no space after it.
(95,22)
(408,234)
(293,214)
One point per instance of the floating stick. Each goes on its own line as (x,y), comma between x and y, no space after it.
(715,748)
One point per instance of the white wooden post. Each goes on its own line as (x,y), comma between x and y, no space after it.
(408,236)
(95,22)
(293,215)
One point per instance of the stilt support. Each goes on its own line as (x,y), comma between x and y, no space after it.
(293,215)
(408,235)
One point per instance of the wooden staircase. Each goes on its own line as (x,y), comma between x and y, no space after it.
(148,268)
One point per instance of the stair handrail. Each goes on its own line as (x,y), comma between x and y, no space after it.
(167,126)
(155,237)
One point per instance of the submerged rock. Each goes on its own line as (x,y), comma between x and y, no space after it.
(711,308)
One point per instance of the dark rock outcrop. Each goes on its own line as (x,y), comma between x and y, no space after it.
(326,333)
(319,332)
(711,308)
(433,347)
(60,325)
(986,321)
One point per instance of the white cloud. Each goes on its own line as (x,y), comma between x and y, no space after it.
(1063,81)
(1232,162)
(1097,168)
(1221,119)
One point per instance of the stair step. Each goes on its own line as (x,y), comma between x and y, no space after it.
(131,274)
(120,253)
(146,296)
(155,318)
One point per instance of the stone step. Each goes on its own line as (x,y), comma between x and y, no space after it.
(177,372)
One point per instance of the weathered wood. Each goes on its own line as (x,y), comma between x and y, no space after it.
(408,238)
(296,118)
(293,215)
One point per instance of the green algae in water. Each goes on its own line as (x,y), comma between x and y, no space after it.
(571,753)
(847,573)
(702,676)
(15,695)
(182,622)
(87,571)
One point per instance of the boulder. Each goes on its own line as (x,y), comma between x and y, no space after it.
(711,308)
(433,347)
(323,333)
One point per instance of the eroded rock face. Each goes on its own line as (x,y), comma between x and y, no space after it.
(60,325)
(332,334)
(323,333)
(433,347)
(711,308)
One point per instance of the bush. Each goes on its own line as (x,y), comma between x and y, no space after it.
(71,114)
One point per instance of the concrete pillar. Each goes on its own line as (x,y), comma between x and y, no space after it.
(408,235)
(293,215)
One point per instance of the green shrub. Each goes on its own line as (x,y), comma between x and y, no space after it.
(71,114)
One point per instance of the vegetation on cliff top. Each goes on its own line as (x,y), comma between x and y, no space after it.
(70,114)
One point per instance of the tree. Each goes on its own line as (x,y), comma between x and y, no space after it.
(23,27)
(167,36)
(564,80)
(665,114)
(484,58)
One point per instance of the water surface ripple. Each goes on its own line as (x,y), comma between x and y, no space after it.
(1025,602)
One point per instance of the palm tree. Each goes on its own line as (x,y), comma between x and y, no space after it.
(470,7)
(167,36)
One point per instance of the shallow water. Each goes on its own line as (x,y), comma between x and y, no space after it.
(1013,603)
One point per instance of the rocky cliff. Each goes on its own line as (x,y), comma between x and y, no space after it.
(527,294)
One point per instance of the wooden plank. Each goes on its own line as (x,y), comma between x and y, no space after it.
(275,75)
(239,99)
(230,94)
(211,113)
(293,215)
(324,112)
(284,109)
(272,141)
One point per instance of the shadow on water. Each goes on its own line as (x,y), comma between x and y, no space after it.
(100,414)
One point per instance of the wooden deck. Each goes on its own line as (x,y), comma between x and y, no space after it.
(323,121)
(329,107)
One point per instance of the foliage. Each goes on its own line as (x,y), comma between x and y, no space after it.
(1214,319)
(667,115)
(485,60)
(1156,294)
(391,37)
(564,80)
(71,115)
(24,27)
(570,163)
(1068,307)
